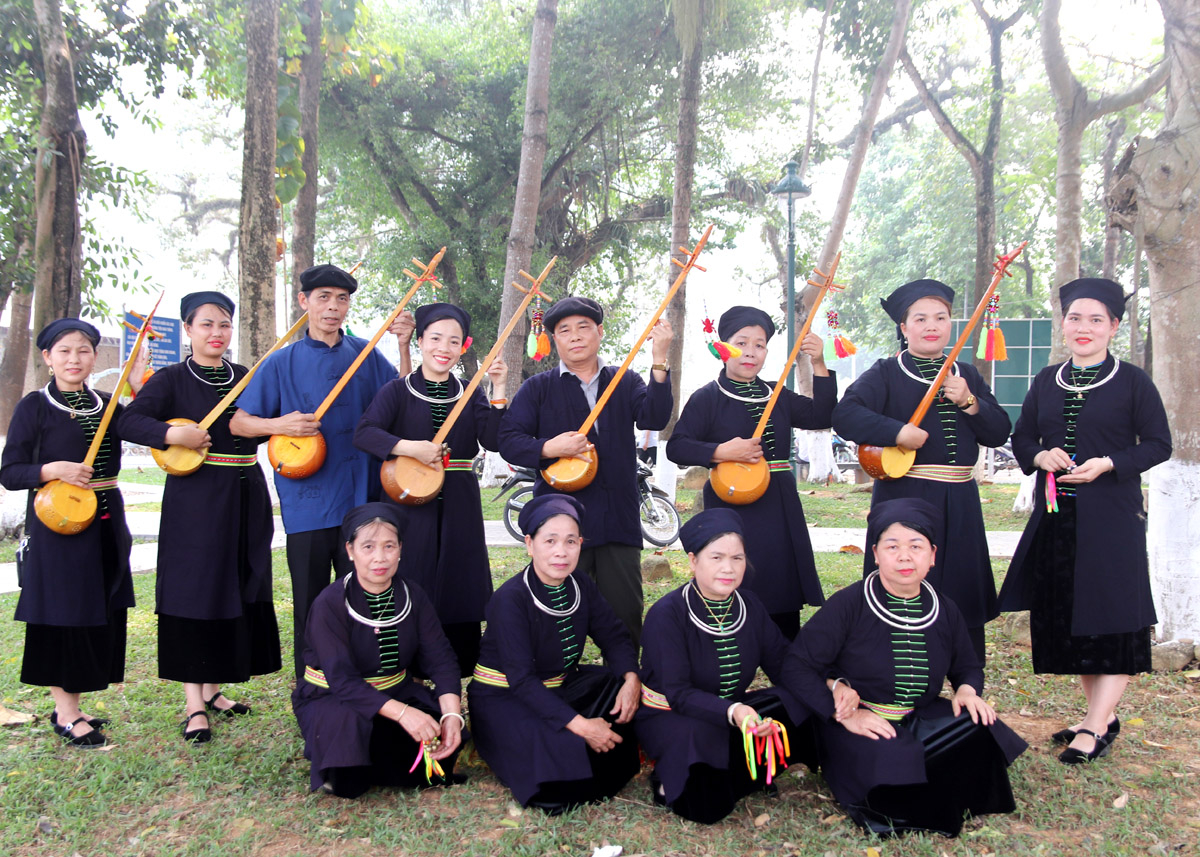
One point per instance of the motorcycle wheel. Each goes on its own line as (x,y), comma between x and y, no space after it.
(660,519)
(512,510)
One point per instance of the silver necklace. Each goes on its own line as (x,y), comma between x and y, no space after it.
(424,398)
(1080,390)
(97,402)
(704,626)
(547,609)
(751,399)
(200,377)
(377,623)
(904,623)
(915,377)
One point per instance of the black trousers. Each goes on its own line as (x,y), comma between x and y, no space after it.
(310,556)
(617,571)
(392,753)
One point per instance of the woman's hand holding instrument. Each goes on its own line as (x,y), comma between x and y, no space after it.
(574,473)
(298,457)
(892,462)
(410,480)
(743,482)
(69,509)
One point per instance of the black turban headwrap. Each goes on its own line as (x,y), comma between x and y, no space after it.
(1106,291)
(430,313)
(326,277)
(59,328)
(195,300)
(567,307)
(897,303)
(367,512)
(704,527)
(912,512)
(544,507)
(737,317)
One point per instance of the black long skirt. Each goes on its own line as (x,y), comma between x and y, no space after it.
(222,651)
(80,659)
(1056,651)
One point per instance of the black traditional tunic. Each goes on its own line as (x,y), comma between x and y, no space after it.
(846,639)
(213,594)
(691,677)
(338,720)
(781,571)
(872,412)
(520,729)
(75,589)
(1105,573)
(444,546)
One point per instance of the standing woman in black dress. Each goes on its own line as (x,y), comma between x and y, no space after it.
(1090,427)
(75,589)
(216,620)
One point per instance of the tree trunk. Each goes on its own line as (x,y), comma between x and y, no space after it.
(687,127)
(1166,173)
(1074,110)
(258,224)
(1112,232)
(62,144)
(16,355)
(304,216)
(529,186)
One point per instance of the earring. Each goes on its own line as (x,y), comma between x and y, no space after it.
(51,368)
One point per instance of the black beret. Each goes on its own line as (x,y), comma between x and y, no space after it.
(704,527)
(913,512)
(570,306)
(544,507)
(897,303)
(357,517)
(737,317)
(430,313)
(59,328)
(326,277)
(195,300)
(1106,291)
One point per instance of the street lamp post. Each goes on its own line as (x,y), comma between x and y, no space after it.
(789,189)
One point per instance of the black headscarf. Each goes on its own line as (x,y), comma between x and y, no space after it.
(359,516)
(913,512)
(1106,291)
(195,300)
(544,507)
(704,527)
(430,313)
(737,317)
(59,328)
(897,303)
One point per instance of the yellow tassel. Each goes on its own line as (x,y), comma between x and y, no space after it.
(999,349)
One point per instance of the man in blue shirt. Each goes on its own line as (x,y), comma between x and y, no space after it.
(281,399)
(543,424)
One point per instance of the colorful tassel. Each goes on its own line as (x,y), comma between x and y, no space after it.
(531,346)
(837,346)
(723,351)
(991,341)
(765,744)
(1051,493)
(432,767)
(543,347)
(538,344)
(467,344)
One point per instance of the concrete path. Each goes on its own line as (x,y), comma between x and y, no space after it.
(144,525)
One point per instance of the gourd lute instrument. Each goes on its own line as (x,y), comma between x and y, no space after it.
(740,482)
(893,462)
(179,460)
(577,472)
(301,457)
(69,509)
(413,483)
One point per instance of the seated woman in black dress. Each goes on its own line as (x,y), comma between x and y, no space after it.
(906,759)
(701,647)
(365,721)
(558,734)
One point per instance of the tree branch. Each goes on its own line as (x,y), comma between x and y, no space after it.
(939,116)
(1136,94)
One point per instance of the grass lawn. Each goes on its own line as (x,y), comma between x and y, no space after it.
(246,792)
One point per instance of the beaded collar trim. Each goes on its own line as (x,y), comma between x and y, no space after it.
(400,616)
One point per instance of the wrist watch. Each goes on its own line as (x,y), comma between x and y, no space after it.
(665,367)
(971,400)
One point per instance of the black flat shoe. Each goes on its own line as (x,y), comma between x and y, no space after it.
(90,741)
(1071,756)
(196,736)
(232,711)
(1066,736)
(94,722)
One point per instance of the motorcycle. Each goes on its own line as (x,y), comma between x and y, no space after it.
(659,517)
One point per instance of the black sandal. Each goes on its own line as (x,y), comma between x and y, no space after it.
(90,741)
(196,736)
(1066,736)
(234,710)
(94,722)
(1071,756)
